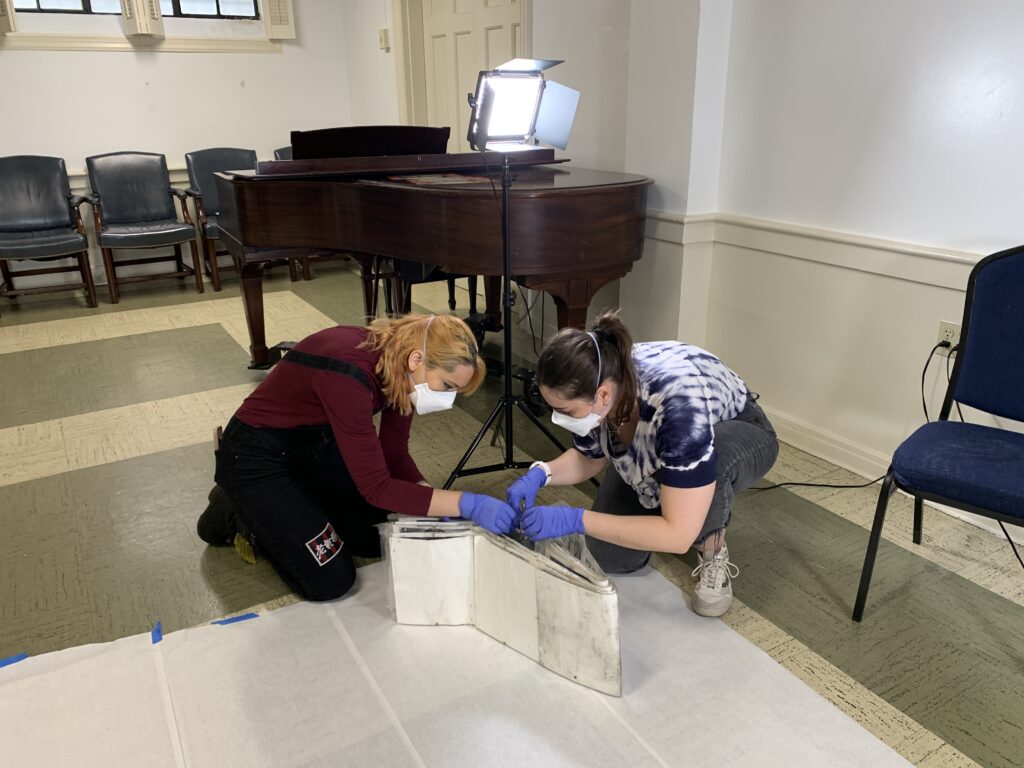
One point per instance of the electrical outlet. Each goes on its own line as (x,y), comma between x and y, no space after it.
(948,332)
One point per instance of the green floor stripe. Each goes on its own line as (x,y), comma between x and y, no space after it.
(938,647)
(104,552)
(53,382)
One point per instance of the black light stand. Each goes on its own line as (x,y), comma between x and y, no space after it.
(507,402)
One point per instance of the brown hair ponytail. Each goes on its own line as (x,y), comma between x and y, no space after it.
(568,364)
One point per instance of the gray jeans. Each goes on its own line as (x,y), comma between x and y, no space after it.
(746,447)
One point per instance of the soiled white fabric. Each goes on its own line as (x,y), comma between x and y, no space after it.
(343,684)
(553,604)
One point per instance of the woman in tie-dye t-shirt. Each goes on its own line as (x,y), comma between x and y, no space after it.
(682,433)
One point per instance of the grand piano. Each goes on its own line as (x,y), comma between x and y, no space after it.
(572,230)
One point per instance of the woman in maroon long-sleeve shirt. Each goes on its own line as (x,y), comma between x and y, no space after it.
(304,467)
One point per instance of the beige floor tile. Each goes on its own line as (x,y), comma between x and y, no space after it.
(999,572)
(32,450)
(90,439)
(103,437)
(794,465)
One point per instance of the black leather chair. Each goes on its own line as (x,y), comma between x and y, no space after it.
(202,165)
(133,206)
(40,220)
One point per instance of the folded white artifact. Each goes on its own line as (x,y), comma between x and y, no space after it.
(552,603)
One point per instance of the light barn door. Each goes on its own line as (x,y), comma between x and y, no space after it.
(460,38)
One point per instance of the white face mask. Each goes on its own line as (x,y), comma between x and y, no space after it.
(578,426)
(583,425)
(423,398)
(427,400)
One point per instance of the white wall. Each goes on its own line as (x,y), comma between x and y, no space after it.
(592,37)
(664,289)
(897,120)
(892,131)
(75,104)
(372,84)
(662,68)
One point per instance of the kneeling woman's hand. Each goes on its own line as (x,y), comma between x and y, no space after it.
(487,512)
(552,522)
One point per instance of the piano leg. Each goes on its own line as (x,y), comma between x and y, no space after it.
(252,300)
(572,297)
(571,316)
(367,274)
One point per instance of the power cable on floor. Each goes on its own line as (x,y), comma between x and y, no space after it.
(815,485)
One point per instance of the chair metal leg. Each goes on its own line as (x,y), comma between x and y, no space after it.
(90,285)
(918,518)
(197,264)
(108,267)
(451,293)
(210,250)
(873,539)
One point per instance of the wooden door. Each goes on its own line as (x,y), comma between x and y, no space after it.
(461,38)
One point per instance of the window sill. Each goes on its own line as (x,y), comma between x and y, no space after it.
(37,41)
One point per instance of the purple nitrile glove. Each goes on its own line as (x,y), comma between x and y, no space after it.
(487,512)
(552,522)
(524,490)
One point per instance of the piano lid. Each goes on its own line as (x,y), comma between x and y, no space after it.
(387,165)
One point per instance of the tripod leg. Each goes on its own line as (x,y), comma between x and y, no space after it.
(539,424)
(476,441)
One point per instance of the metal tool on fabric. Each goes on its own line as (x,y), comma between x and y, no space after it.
(551,602)
(519,534)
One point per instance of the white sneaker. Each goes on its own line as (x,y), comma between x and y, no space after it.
(713,593)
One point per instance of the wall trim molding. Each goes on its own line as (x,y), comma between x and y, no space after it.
(890,258)
(37,41)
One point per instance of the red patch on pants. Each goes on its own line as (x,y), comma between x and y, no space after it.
(325,545)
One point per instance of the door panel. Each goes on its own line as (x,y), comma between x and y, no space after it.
(460,39)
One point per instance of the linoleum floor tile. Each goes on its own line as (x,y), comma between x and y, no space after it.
(952,543)
(885,721)
(946,756)
(794,465)
(43,631)
(29,451)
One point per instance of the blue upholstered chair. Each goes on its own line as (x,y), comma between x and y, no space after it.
(133,206)
(283,153)
(40,221)
(972,467)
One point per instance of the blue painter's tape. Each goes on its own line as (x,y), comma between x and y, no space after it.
(157,634)
(13,659)
(234,619)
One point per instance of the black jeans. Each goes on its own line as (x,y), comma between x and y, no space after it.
(293,494)
(746,448)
